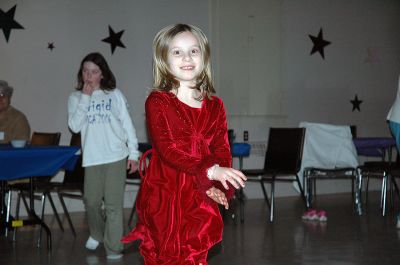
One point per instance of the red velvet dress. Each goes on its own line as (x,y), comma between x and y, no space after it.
(178,223)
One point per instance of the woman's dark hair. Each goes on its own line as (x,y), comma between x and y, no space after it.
(108,81)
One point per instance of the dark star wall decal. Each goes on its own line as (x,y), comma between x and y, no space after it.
(50,46)
(356,103)
(319,44)
(7,22)
(114,39)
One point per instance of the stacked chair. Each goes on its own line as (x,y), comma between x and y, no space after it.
(329,154)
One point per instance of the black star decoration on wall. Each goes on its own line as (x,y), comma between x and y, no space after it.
(50,46)
(319,44)
(7,22)
(114,39)
(356,103)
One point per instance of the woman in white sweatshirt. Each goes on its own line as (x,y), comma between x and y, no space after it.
(99,111)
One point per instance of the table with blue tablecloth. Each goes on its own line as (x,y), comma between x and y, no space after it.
(29,162)
(375,146)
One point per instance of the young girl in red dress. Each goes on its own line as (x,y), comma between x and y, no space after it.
(190,169)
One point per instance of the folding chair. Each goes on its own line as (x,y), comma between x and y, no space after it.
(282,162)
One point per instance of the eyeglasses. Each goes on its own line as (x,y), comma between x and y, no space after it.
(3,95)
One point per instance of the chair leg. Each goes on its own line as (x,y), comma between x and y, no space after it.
(366,190)
(391,193)
(396,188)
(309,191)
(43,199)
(303,197)
(272,208)
(8,211)
(48,194)
(358,195)
(131,214)
(241,204)
(17,212)
(21,194)
(61,197)
(383,195)
(314,186)
(265,193)
(306,187)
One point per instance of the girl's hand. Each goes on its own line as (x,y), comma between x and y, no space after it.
(132,166)
(87,88)
(218,196)
(231,175)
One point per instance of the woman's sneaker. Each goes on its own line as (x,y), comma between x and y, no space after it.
(310,215)
(114,256)
(91,243)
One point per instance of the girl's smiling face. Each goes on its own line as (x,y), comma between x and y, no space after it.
(185,60)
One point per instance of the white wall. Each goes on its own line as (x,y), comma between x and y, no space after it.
(318,90)
(313,89)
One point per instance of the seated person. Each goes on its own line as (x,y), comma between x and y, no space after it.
(13,123)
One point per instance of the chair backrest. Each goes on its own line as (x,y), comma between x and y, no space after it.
(45,138)
(284,150)
(353,130)
(75,176)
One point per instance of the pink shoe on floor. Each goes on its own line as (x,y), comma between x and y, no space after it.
(310,215)
(322,217)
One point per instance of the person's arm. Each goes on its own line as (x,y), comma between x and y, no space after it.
(77,109)
(130,132)
(219,145)
(220,148)
(127,126)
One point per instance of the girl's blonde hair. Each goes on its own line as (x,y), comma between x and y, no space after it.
(163,78)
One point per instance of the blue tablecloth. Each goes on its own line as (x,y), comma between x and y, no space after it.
(30,161)
(373,146)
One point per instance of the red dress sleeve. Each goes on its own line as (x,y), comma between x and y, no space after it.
(220,148)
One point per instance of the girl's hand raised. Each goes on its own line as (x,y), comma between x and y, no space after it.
(87,88)
(218,196)
(226,174)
